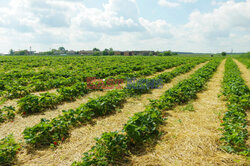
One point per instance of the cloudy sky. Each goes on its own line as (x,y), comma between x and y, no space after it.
(178,25)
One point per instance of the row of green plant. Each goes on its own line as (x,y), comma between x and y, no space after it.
(46,80)
(21,89)
(102,105)
(144,85)
(112,147)
(51,132)
(187,89)
(33,103)
(54,131)
(38,103)
(234,123)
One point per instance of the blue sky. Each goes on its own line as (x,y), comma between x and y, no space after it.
(178,25)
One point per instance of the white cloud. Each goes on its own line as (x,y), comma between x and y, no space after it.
(228,17)
(227,24)
(155,29)
(118,24)
(168,3)
(188,1)
(55,21)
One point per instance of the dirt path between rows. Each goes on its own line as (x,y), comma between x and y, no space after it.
(82,139)
(191,138)
(245,73)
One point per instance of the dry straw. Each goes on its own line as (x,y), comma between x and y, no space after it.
(192,138)
(82,138)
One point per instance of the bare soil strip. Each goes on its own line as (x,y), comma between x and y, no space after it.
(8,103)
(161,72)
(49,91)
(19,124)
(245,73)
(192,138)
(82,139)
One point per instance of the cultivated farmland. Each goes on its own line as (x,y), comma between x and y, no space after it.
(85,110)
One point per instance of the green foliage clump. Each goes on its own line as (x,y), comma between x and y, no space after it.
(8,150)
(7,113)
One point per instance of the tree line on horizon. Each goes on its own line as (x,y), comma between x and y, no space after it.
(96,52)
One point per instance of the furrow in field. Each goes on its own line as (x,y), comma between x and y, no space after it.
(245,73)
(192,137)
(20,123)
(8,103)
(49,91)
(161,72)
(82,139)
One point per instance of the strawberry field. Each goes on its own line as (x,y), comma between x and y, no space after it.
(75,110)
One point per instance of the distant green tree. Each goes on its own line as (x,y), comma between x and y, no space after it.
(111,51)
(96,53)
(157,53)
(160,54)
(22,52)
(61,48)
(223,53)
(105,52)
(11,52)
(96,49)
(46,53)
(167,53)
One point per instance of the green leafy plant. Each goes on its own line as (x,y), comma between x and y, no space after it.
(7,113)
(109,149)
(29,104)
(34,104)
(46,133)
(8,150)
(143,125)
